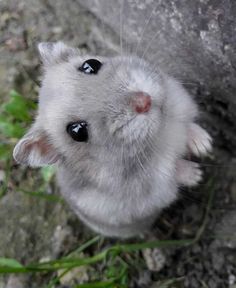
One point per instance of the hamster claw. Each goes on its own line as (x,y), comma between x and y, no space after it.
(199,141)
(188,173)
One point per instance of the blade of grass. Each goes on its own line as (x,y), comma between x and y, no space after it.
(105,284)
(76,251)
(85,245)
(152,244)
(54,265)
(42,195)
(167,283)
(211,190)
(56,279)
(204,285)
(66,263)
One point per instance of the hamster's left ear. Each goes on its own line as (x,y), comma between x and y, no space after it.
(55,52)
(35,149)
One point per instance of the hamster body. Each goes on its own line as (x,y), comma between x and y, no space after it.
(117,129)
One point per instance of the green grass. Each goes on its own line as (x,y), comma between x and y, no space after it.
(16,116)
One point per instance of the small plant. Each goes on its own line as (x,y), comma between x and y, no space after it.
(16,115)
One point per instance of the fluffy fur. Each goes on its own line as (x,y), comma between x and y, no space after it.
(131,166)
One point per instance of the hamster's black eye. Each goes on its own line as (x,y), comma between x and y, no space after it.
(78,131)
(90,66)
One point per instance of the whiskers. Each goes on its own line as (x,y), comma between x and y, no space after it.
(145,28)
(121,26)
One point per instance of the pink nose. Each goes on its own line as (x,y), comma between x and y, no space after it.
(141,102)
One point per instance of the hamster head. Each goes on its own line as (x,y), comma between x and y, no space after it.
(92,106)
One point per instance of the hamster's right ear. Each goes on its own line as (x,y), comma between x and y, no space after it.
(35,149)
(55,52)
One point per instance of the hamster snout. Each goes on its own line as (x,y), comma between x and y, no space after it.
(141,102)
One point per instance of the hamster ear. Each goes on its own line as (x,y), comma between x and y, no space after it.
(55,52)
(35,149)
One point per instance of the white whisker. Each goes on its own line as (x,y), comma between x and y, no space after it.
(121,26)
(145,28)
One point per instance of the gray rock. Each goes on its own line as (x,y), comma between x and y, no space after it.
(144,279)
(155,259)
(62,240)
(29,224)
(218,260)
(15,282)
(78,275)
(226,231)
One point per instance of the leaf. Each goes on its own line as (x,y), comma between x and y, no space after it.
(29,102)
(5,151)
(42,195)
(8,262)
(19,107)
(47,173)
(13,130)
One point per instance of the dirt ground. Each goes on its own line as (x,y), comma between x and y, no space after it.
(32,229)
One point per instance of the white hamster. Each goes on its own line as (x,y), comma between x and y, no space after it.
(118,130)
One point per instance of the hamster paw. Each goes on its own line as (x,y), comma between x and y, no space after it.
(188,173)
(199,141)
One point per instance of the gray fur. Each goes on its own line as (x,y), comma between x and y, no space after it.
(129,170)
